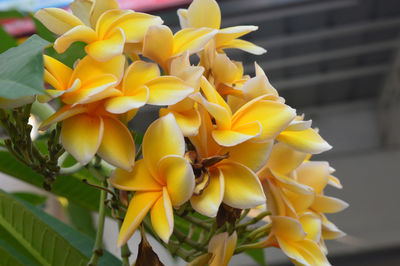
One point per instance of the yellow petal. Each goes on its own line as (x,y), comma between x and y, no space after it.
(117,146)
(162,217)
(334,181)
(230,248)
(196,14)
(163,137)
(308,141)
(284,159)
(258,86)
(192,40)
(99,7)
(243,189)
(96,90)
(273,116)
(88,69)
(292,184)
(167,90)
(107,19)
(244,46)
(139,206)
(81,9)
(79,33)
(208,202)
(65,112)
(137,74)
(212,95)
(291,251)
(81,136)
(327,204)
(329,230)
(222,115)
(179,177)
(123,104)
(60,72)
(314,174)
(139,179)
(217,246)
(57,20)
(226,35)
(181,68)
(312,225)
(182,15)
(188,121)
(135,25)
(251,154)
(287,228)
(104,50)
(224,69)
(311,252)
(238,135)
(151,44)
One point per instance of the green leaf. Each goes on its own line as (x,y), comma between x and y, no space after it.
(68,186)
(21,69)
(48,240)
(7,41)
(74,52)
(81,219)
(257,255)
(11,14)
(32,198)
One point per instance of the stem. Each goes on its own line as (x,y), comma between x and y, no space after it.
(139,152)
(125,252)
(71,170)
(255,219)
(97,249)
(196,221)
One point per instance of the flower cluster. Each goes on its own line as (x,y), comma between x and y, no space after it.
(223,138)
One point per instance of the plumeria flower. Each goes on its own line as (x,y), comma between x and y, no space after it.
(288,234)
(89,129)
(162,46)
(222,246)
(195,17)
(278,181)
(162,179)
(101,24)
(260,119)
(298,134)
(186,113)
(231,180)
(90,81)
(143,84)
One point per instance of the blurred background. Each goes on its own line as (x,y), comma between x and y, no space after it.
(337,61)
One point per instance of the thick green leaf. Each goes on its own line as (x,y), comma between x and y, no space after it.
(257,255)
(12,253)
(81,219)
(21,69)
(45,238)
(70,187)
(32,198)
(7,41)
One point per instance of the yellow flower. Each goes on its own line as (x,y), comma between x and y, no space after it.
(90,129)
(261,119)
(100,24)
(230,180)
(226,38)
(162,46)
(90,81)
(186,114)
(222,246)
(162,179)
(288,234)
(143,84)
